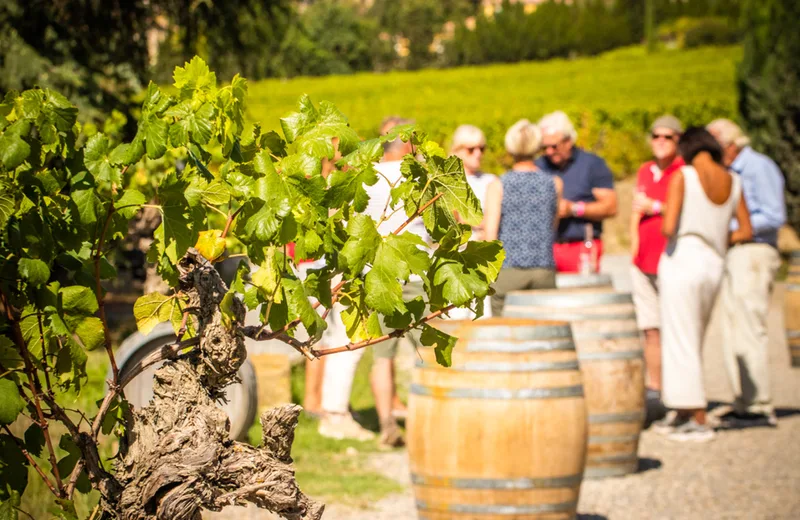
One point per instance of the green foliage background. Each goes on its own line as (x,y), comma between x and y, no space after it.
(769,83)
(612,98)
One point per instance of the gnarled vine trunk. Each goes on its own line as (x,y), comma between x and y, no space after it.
(178,458)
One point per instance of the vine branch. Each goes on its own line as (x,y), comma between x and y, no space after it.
(394,334)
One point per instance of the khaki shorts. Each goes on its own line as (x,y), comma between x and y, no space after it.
(645,299)
(336,333)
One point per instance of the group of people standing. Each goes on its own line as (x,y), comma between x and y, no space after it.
(705,216)
(704,229)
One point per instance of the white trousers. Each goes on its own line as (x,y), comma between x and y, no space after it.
(340,369)
(688,281)
(746,288)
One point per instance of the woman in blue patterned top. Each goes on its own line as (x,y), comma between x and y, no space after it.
(522,211)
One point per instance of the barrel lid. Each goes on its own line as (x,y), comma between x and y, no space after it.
(583,280)
(566,300)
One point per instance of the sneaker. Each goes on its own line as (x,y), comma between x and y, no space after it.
(691,431)
(391,437)
(670,421)
(342,426)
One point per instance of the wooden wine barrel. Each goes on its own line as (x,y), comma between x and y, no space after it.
(611,360)
(242,398)
(573,281)
(792,308)
(502,433)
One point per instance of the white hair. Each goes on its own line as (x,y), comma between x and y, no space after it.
(728,133)
(523,139)
(467,135)
(558,123)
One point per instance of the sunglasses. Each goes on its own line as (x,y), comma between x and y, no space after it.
(554,146)
(471,149)
(669,137)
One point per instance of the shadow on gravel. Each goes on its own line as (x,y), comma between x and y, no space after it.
(591,516)
(646,464)
(729,421)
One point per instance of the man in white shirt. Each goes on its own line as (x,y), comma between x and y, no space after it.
(340,368)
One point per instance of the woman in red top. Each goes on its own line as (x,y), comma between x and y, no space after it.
(647,242)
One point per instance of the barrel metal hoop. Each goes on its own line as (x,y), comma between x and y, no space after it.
(626,457)
(519,346)
(497,393)
(496,483)
(793,334)
(496,509)
(793,287)
(560,300)
(611,439)
(473,366)
(566,315)
(521,332)
(609,356)
(606,418)
(620,334)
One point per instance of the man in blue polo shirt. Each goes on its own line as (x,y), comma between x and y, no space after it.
(750,270)
(588,199)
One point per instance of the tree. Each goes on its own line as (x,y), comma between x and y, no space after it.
(769,86)
(62,203)
(93,52)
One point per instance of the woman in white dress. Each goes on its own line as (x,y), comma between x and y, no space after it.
(702,199)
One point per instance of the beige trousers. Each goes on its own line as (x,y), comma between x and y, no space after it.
(745,294)
(519,279)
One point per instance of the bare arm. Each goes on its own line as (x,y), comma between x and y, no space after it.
(604,206)
(745,231)
(492,211)
(636,217)
(559,194)
(673,205)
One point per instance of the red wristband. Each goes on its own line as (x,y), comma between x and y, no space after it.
(578,208)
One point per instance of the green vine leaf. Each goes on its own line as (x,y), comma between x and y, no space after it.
(13,148)
(441,342)
(34,439)
(34,271)
(13,467)
(9,355)
(11,404)
(8,508)
(96,159)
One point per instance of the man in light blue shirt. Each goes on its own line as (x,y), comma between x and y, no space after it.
(749,273)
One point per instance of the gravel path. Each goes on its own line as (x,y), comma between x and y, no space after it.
(750,473)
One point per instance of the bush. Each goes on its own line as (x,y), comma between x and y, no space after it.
(711,31)
(690,32)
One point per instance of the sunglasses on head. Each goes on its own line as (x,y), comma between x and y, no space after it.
(655,136)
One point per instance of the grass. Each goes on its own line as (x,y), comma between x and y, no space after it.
(338,471)
(328,470)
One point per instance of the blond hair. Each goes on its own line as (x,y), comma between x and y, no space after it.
(523,140)
(467,135)
(728,133)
